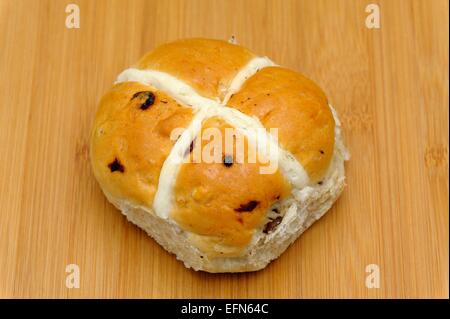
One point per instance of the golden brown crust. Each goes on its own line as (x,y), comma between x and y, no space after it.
(207,65)
(130,142)
(221,205)
(287,100)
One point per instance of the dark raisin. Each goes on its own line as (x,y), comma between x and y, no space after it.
(148,96)
(321,152)
(228,160)
(247,207)
(149,101)
(191,148)
(116,166)
(270,226)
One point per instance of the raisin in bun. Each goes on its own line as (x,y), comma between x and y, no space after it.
(226,215)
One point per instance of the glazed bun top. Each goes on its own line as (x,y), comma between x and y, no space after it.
(150,125)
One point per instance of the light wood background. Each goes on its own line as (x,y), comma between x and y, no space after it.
(390,86)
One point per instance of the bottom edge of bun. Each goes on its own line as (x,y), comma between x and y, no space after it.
(301,210)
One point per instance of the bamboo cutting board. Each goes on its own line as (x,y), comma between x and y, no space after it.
(390,86)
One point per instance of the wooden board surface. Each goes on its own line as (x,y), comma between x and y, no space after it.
(390,86)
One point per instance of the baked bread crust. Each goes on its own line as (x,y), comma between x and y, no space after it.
(295,105)
(205,64)
(136,141)
(216,217)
